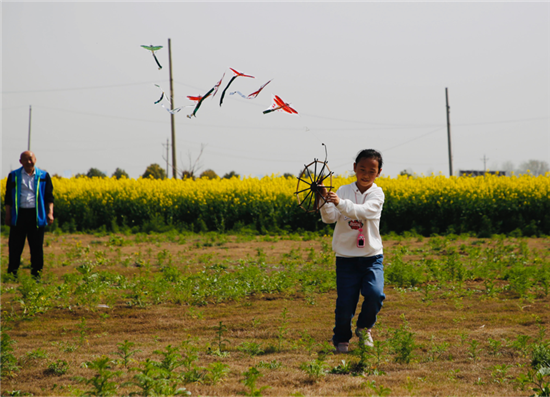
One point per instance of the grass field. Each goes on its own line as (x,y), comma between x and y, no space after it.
(215,314)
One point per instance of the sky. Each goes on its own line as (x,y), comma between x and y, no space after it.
(360,74)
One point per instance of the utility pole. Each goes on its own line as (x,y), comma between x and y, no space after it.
(30,114)
(484,163)
(449,132)
(172,118)
(167,155)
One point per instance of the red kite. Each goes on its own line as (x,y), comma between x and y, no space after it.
(280,105)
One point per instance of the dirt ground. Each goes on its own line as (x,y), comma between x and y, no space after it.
(229,248)
(455,318)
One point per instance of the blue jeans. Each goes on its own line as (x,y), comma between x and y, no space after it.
(363,275)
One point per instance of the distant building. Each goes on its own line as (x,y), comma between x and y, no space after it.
(480,173)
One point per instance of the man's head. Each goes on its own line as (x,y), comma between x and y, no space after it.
(28,160)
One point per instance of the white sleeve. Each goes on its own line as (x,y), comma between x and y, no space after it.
(371,209)
(329,212)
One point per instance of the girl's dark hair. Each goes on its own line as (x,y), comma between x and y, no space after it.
(370,154)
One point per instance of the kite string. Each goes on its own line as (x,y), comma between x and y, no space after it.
(307,129)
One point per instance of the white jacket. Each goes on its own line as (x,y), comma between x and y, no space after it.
(355,210)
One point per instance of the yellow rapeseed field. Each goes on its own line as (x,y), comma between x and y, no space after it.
(428,204)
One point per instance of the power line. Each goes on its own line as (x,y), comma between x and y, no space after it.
(98,115)
(414,139)
(269,128)
(504,121)
(78,88)
(256,104)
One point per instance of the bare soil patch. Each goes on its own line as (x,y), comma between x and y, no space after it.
(444,317)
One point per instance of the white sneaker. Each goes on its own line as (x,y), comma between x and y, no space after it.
(368,337)
(342,347)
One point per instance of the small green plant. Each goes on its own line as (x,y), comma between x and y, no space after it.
(189,357)
(251,348)
(410,386)
(452,374)
(36,298)
(380,391)
(58,368)
(325,348)
(195,313)
(494,347)
(428,295)
(479,382)
(342,368)
(261,255)
(364,353)
(273,364)
(171,359)
(220,331)
(152,380)
(250,378)
(474,350)
(521,344)
(101,383)
(542,332)
(307,341)
(38,354)
(125,352)
(463,338)
(537,380)
(216,352)
(540,355)
(402,343)
(379,355)
(66,346)
(82,332)
(437,350)
(499,373)
(216,372)
(283,329)
(490,288)
(195,374)
(8,360)
(314,369)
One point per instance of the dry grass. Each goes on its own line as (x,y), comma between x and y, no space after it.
(453,317)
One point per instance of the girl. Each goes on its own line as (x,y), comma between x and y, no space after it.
(356,209)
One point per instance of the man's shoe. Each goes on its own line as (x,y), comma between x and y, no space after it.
(342,347)
(367,334)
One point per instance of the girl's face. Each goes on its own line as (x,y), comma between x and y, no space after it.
(366,171)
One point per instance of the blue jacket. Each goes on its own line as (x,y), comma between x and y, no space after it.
(44,194)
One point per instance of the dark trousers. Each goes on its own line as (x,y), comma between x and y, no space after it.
(355,276)
(26,229)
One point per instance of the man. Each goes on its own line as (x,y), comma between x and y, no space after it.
(29,208)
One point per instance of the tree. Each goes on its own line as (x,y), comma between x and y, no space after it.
(154,171)
(119,173)
(230,175)
(94,172)
(194,167)
(288,175)
(407,173)
(187,175)
(508,167)
(534,167)
(210,174)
